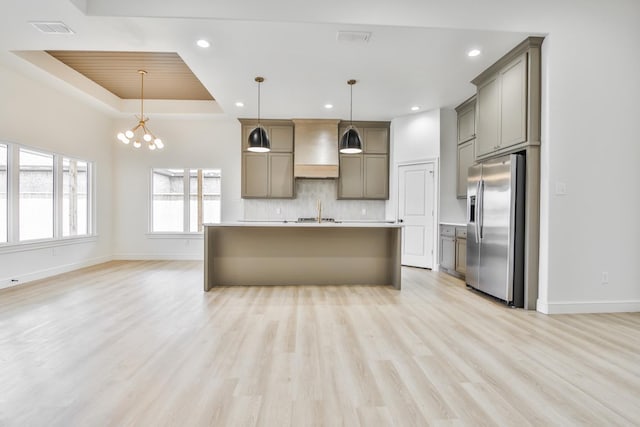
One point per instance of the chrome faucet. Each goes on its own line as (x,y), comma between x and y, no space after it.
(319,207)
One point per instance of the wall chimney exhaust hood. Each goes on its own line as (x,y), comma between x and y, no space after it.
(316,148)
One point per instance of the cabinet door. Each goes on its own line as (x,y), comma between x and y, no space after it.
(466,157)
(513,101)
(488,117)
(461,256)
(351,173)
(467,124)
(280,175)
(376,140)
(281,138)
(255,174)
(447,252)
(376,176)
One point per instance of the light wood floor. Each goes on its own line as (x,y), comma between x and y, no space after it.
(140,344)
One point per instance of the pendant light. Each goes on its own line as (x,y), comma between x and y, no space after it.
(350,142)
(258,138)
(141,132)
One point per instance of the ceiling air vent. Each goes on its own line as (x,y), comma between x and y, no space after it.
(52,27)
(353,36)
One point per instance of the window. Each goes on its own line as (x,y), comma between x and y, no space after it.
(75,197)
(184,199)
(43,196)
(36,195)
(168,200)
(204,198)
(3,193)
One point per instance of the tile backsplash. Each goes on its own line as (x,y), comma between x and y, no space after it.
(308,192)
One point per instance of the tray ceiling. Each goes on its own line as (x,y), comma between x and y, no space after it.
(168,77)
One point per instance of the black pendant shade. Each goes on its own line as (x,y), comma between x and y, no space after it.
(259,140)
(350,142)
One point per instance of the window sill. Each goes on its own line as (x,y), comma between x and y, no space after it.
(45,243)
(175,235)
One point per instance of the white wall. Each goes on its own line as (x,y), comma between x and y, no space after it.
(40,116)
(415,138)
(590,142)
(452,209)
(189,143)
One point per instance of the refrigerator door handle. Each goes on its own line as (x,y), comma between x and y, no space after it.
(480,209)
(476,213)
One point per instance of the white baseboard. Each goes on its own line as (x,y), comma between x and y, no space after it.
(582,307)
(9,282)
(156,256)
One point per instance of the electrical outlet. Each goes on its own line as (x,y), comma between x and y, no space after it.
(605,277)
(278,211)
(561,188)
(364,211)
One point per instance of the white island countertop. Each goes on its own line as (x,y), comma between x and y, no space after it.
(293,224)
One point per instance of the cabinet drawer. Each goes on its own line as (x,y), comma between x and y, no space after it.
(461,232)
(447,230)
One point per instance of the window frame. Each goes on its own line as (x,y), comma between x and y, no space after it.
(186,205)
(13,243)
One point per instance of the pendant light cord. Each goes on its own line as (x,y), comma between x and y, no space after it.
(142,73)
(351,106)
(259,103)
(351,83)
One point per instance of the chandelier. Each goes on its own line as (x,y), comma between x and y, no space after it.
(141,132)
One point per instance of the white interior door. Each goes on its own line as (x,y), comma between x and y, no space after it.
(415,210)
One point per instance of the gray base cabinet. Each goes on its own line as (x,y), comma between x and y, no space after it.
(461,250)
(453,250)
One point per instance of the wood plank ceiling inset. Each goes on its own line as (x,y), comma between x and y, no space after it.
(168,77)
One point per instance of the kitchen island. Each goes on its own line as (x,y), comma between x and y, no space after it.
(279,253)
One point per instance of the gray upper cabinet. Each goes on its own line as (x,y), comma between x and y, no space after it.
(255,172)
(508,102)
(281,175)
(280,134)
(366,175)
(466,143)
(268,175)
(376,176)
(350,184)
(376,140)
(465,159)
(281,138)
(466,120)
(488,114)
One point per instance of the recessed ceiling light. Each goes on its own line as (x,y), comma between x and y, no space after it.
(473,52)
(328,106)
(239,104)
(203,43)
(415,108)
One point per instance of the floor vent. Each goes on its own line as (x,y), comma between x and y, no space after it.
(52,27)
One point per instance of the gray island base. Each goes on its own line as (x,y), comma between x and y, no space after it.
(302,254)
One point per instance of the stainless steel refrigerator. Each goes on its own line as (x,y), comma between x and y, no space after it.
(495,228)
